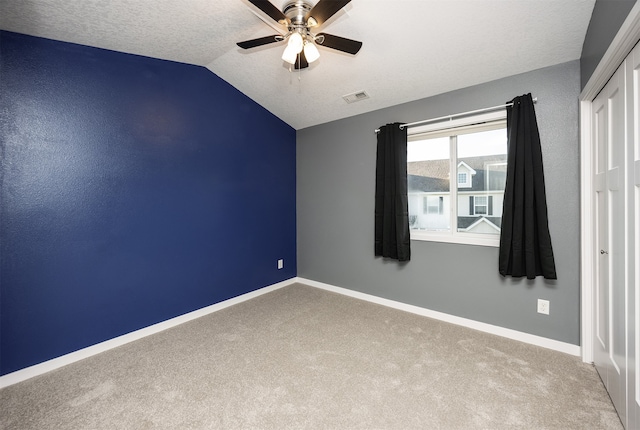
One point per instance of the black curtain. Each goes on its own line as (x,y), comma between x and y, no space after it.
(392,209)
(525,242)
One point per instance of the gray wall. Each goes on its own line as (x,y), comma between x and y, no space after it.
(607,17)
(335,205)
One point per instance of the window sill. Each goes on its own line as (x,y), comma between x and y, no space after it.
(460,238)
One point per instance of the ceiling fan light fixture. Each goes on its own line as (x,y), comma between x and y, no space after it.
(299,17)
(295,42)
(290,55)
(311,52)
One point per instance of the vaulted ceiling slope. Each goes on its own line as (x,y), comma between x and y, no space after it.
(412,49)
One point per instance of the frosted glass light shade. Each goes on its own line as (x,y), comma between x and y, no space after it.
(295,42)
(311,52)
(290,55)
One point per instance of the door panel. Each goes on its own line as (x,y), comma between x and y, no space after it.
(633,270)
(610,352)
(616,248)
(601,291)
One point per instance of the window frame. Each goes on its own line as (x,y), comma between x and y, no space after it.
(470,124)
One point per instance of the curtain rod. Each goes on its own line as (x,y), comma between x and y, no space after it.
(456,115)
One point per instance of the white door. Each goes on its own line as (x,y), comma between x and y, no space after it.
(610,333)
(633,207)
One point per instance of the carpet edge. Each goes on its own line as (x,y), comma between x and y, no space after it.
(532,339)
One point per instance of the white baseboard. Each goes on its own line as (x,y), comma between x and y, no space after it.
(47,366)
(544,342)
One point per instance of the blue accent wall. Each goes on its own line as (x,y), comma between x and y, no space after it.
(133,190)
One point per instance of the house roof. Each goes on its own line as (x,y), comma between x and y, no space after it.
(426,183)
(433,175)
(464,222)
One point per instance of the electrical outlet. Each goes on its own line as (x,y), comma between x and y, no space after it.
(280,264)
(543,306)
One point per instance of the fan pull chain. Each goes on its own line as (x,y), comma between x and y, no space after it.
(299,75)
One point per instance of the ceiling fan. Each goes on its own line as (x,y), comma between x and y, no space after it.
(299,17)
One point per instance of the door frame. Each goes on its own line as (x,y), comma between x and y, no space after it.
(621,46)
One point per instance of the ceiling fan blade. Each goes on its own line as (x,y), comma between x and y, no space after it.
(267,7)
(340,43)
(323,10)
(247,44)
(301,61)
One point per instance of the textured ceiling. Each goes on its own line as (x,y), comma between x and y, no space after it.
(411,48)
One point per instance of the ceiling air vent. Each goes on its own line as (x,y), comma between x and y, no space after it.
(355,97)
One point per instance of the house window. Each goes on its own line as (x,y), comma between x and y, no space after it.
(472,152)
(481,205)
(496,175)
(433,205)
(462,178)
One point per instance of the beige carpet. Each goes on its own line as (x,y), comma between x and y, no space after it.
(304,358)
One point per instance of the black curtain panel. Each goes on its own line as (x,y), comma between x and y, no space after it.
(525,242)
(392,209)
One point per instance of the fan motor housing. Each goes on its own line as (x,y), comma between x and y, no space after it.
(296,11)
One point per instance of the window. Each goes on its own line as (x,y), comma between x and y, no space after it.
(472,152)
(433,205)
(462,178)
(481,205)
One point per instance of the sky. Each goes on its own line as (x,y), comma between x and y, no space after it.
(469,145)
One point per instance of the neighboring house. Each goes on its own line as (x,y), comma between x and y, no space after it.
(480,183)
